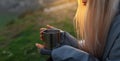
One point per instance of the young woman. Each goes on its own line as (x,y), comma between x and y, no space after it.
(98,25)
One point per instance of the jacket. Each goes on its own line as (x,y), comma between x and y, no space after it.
(111,51)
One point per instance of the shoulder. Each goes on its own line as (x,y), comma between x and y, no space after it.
(115,26)
(112,50)
(116,21)
(117,17)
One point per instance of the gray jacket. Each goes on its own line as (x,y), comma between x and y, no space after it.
(111,53)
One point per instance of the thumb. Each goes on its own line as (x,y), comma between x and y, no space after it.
(39,45)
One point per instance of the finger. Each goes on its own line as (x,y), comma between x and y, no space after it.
(41,35)
(39,45)
(42,29)
(54,28)
(50,27)
(41,32)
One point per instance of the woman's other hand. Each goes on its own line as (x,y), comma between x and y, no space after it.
(43,29)
(41,46)
(66,39)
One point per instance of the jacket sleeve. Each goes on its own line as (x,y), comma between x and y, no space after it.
(68,53)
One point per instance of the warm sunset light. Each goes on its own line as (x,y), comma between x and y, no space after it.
(59,30)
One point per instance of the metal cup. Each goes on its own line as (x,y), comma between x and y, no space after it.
(51,38)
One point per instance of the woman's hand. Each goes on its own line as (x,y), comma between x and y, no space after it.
(66,39)
(43,29)
(41,36)
(43,51)
(41,46)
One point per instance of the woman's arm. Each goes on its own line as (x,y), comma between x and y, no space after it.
(68,53)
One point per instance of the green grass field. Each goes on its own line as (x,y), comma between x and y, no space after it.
(18,36)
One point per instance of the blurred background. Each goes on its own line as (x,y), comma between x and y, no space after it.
(20,21)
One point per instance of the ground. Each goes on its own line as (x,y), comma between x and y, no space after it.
(19,35)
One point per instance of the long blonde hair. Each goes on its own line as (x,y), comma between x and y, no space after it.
(92,23)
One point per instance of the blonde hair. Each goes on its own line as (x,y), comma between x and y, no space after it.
(92,23)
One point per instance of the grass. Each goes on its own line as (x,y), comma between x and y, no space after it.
(4,17)
(18,36)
